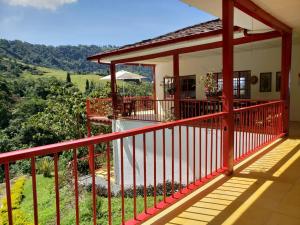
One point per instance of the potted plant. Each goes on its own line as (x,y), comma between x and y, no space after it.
(210,85)
(171,90)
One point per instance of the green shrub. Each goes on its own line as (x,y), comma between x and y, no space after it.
(88,205)
(19,217)
(16,195)
(45,166)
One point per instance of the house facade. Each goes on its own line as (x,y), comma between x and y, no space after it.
(208,146)
(256,78)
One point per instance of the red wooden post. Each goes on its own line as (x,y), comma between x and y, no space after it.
(89,132)
(177,86)
(113,85)
(286,54)
(228,125)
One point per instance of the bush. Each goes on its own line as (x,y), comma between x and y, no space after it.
(16,195)
(19,218)
(45,166)
(128,192)
(88,204)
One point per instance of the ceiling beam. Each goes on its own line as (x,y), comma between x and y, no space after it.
(253,10)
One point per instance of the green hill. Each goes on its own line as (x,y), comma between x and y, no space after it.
(68,58)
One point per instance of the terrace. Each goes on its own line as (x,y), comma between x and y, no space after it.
(227,161)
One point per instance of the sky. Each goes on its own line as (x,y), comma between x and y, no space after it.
(99,22)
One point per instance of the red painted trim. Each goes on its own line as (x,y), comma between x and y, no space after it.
(113,86)
(158,44)
(227,95)
(54,148)
(177,85)
(286,54)
(260,14)
(196,48)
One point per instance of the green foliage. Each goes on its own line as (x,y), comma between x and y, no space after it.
(19,217)
(16,195)
(68,58)
(87,86)
(68,79)
(45,166)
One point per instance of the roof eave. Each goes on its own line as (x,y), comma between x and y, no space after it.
(97,57)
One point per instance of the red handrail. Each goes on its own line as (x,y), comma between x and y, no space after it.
(197,142)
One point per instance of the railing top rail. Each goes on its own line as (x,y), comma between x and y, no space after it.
(257,106)
(67,145)
(235,100)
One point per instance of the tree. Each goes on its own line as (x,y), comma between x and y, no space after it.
(68,78)
(87,86)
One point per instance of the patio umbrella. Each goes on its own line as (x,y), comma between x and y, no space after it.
(124,75)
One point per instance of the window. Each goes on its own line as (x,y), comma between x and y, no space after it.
(188,87)
(169,87)
(265,82)
(241,84)
(278,81)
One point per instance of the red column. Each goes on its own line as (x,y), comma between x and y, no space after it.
(228,125)
(89,133)
(113,85)
(286,54)
(177,86)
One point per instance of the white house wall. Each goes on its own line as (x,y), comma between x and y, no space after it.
(256,60)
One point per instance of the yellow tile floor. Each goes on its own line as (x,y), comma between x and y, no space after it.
(263,191)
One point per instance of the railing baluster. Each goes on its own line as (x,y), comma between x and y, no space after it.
(154,168)
(75,173)
(206,146)
(145,172)
(194,154)
(216,147)
(34,193)
(94,199)
(187,156)
(211,145)
(172,143)
(56,189)
(180,159)
(200,152)
(8,194)
(164,165)
(108,183)
(122,181)
(134,177)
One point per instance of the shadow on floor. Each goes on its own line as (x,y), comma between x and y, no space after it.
(265,191)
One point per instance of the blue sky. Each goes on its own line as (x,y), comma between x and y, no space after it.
(100,22)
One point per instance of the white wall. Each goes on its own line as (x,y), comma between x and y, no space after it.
(256,60)
(121,125)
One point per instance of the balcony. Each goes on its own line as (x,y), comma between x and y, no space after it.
(148,109)
(160,171)
(264,188)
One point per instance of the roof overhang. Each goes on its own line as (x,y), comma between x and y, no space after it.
(256,14)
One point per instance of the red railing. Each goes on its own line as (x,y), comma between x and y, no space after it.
(147,109)
(256,126)
(99,107)
(186,153)
(192,107)
(152,110)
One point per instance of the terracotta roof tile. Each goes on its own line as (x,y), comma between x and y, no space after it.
(197,29)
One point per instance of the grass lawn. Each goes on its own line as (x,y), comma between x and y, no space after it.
(47,210)
(77,79)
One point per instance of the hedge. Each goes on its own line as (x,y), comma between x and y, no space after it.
(19,218)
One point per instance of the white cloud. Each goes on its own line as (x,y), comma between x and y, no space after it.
(40,4)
